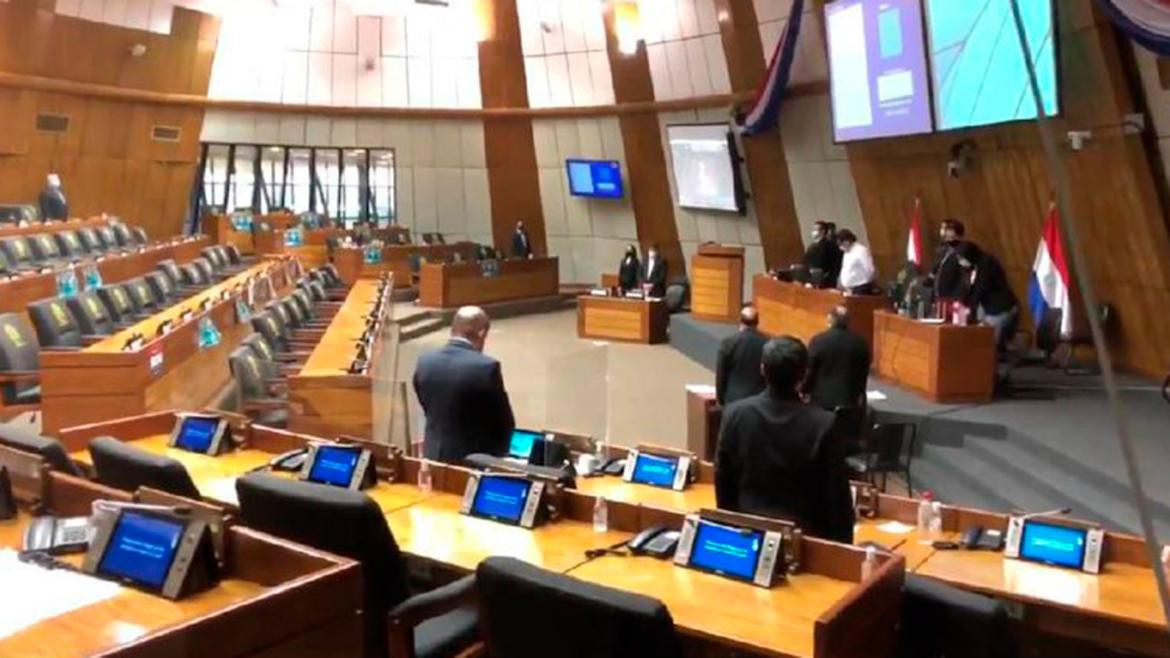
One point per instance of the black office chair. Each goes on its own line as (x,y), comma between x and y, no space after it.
(90,240)
(889,448)
(171,269)
(91,314)
(119,304)
(108,237)
(266,352)
(261,395)
(193,277)
(942,621)
(852,423)
(19,361)
(677,295)
(55,325)
(122,466)
(436,624)
(19,253)
(138,236)
(161,287)
(523,611)
(122,235)
(44,248)
(51,450)
(206,268)
(267,324)
(5,267)
(69,245)
(234,256)
(141,297)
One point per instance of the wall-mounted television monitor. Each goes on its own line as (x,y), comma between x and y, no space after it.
(979,71)
(877,69)
(598,179)
(706,167)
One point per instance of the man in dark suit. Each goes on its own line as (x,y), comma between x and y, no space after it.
(654,272)
(838,364)
(949,282)
(462,393)
(737,368)
(52,201)
(989,294)
(780,457)
(521,245)
(824,254)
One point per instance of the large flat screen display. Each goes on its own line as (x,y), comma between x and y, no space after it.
(706,169)
(877,67)
(980,74)
(600,179)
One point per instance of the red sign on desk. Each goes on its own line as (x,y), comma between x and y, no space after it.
(154,356)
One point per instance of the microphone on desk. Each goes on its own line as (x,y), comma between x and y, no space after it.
(1054,512)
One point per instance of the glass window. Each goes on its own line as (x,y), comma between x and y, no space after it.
(215,175)
(272,169)
(382,193)
(353,183)
(300,180)
(327,173)
(243,179)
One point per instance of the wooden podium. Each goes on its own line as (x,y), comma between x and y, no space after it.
(717,283)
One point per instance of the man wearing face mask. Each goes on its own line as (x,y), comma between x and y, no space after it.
(949,282)
(989,292)
(823,253)
(629,271)
(654,272)
(52,200)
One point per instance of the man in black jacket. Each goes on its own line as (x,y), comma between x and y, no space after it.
(782,458)
(462,394)
(949,282)
(629,272)
(838,365)
(824,254)
(989,294)
(654,272)
(52,200)
(521,245)
(737,367)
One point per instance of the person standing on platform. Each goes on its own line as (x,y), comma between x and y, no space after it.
(654,272)
(780,457)
(949,282)
(857,269)
(52,201)
(521,245)
(838,365)
(823,254)
(630,270)
(989,293)
(737,367)
(462,393)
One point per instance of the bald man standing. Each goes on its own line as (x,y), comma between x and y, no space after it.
(737,368)
(461,390)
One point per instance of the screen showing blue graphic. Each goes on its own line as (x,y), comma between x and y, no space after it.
(196,434)
(601,179)
(979,69)
(500,498)
(655,470)
(1053,544)
(293,237)
(334,465)
(522,441)
(727,551)
(142,548)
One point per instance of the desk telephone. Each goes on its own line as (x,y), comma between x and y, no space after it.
(57,536)
(292,461)
(657,541)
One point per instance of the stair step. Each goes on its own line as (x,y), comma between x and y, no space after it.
(419,329)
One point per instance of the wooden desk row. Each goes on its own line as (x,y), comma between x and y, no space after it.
(35,228)
(222,230)
(824,610)
(169,371)
(271,243)
(18,292)
(352,266)
(443,285)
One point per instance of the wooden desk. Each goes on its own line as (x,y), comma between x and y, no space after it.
(695,497)
(618,318)
(352,266)
(942,362)
(36,228)
(717,283)
(271,243)
(435,530)
(794,310)
(170,372)
(459,284)
(703,418)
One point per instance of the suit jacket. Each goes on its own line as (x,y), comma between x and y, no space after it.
(781,458)
(53,204)
(629,273)
(825,255)
(949,281)
(467,408)
(521,245)
(737,367)
(657,277)
(838,368)
(991,289)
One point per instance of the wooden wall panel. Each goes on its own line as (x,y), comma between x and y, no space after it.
(513,178)
(1003,198)
(767,166)
(106,156)
(645,158)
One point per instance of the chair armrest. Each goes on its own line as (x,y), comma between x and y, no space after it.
(19,376)
(421,607)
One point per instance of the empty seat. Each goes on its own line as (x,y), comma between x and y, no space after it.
(350,524)
(234,255)
(205,267)
(193,276)
(122,466)
(19,361)
(18,251)
(69,245)
(141,296)
(108,237)
(171,269)
(118,303)
(90,240)
(91,314)
(161,287)
(51,450)
(268,324)
(216,257)
(253,379)
(44,248)
(940,620)
(122,234)
(138,236)
(54,324)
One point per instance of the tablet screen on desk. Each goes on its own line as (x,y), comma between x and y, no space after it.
(727,551)
(197,433)
(142,548)
(500,498)
(522,441)
(334,465)
(1053,544)
(655,470)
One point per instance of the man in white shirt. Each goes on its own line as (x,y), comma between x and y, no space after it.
(857,270)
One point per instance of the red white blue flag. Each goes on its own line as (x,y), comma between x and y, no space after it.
(765,109)
(914,240)
(1145,21)
(1049,286)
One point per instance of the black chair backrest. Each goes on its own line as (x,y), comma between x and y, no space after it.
(523,608)
(55,325)
(122,466)
(117,302)
(68,244)
(282,314)
(91,314)
(296,315)
(317,291)
(249,373)
(18,251)
(19,352)
(269,326)
(260,347)
(339,521)
(122,234)
(44,247)
(108,237)
(160,286)
(332,276)
(204,266)
(940,620)
(51,450)
(233,254)
(888,441)
(171,269)
(91,241)
(5,268)
(141,296)
(193,276)
(215,257)
(138,235)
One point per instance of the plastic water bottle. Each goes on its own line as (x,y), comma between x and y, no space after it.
(1166,559)
(925,510)
(600,515)
(870,564)
(936,520)
(425,479)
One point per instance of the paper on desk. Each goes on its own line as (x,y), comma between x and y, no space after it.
(895,527)
(875,396)
(701,389)
(34,593)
